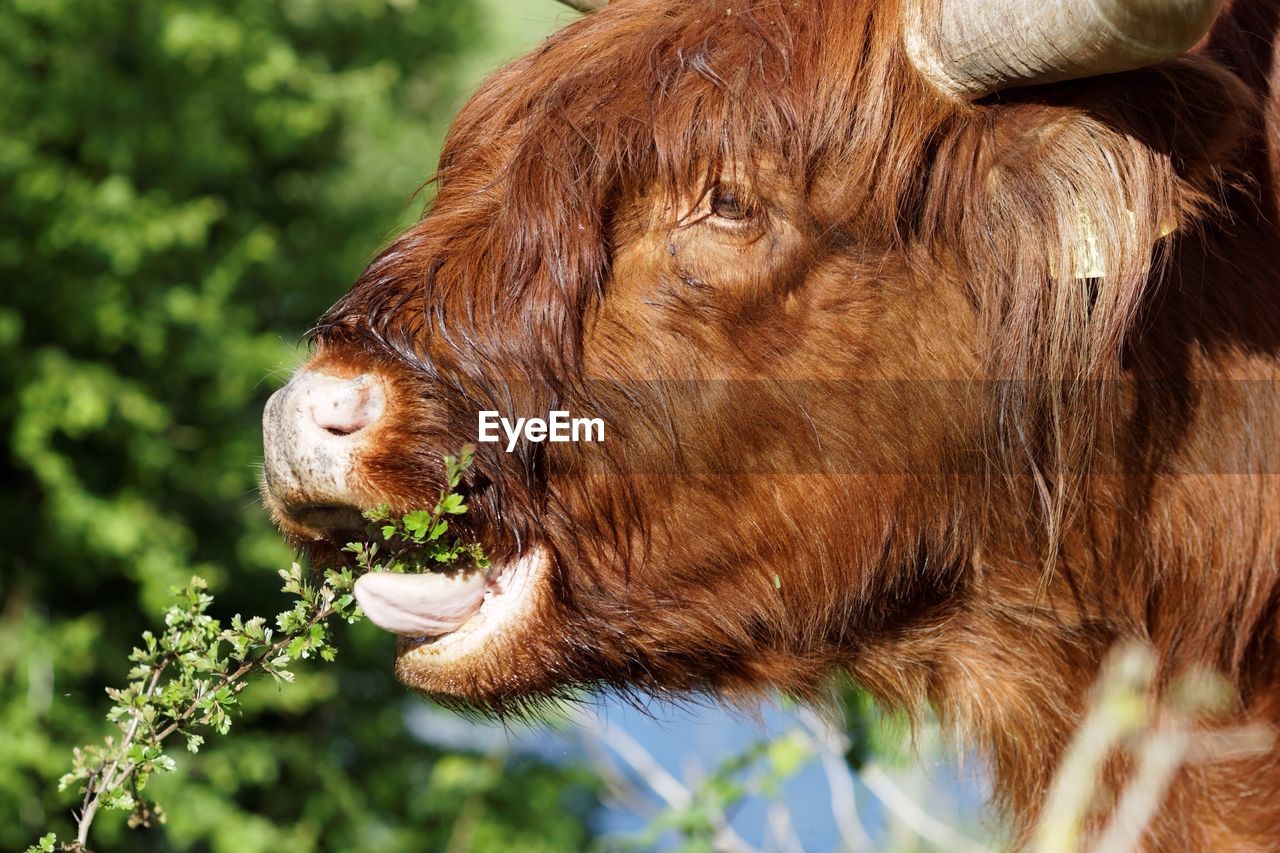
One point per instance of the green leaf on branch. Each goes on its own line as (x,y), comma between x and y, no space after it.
(189,676)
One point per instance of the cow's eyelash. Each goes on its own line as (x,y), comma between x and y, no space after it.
(703,208)
(686,222)
(731,204)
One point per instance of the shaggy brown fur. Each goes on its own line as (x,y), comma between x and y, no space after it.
(881,421)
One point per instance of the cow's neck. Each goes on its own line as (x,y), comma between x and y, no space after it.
(1176,541)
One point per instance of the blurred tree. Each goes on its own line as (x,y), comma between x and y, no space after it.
(183,187)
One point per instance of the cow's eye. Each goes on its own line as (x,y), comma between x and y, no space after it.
(728,203)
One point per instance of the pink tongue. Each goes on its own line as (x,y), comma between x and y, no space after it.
(419,605)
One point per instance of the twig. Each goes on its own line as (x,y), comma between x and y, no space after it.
(93,790)
(910,813)
(666,786)
(115,773)
(1162,753)
(905,809)
(1159,759)
(1158,731)
(831,745)
(1119,708)
(620,787)
(782,828)
(205,666)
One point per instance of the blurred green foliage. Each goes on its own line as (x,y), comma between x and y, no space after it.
(184,186)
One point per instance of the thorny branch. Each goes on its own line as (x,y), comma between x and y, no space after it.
(190,676)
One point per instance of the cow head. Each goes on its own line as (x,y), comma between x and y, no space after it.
(772,247)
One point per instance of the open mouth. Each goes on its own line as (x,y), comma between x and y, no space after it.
(339,522)
(442,608)
(316,430)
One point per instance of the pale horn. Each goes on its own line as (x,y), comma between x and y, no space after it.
(970,48)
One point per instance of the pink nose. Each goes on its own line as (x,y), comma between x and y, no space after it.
(346,406)
(313,431)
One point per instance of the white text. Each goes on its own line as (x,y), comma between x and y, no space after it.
(558,426)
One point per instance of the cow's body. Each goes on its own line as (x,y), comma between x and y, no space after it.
(950,428)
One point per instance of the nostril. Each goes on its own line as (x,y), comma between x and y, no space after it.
(342,407)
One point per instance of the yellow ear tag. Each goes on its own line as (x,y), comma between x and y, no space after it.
(1087,255)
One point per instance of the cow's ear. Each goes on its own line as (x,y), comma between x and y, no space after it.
(1058,204)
